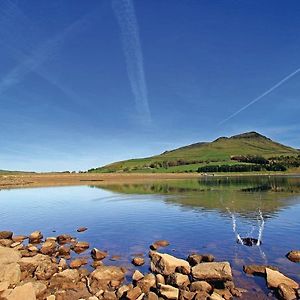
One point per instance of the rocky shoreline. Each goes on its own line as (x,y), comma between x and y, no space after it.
(37,268)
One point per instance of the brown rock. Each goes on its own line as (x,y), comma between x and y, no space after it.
(294,255)
(194,259)
(64,239)
(6,235)
(98,254)
(275,278)
(39,288)
(138,261)
(147,283)
(137,275)
(19,238)
(6,242)
(178,280)
(62,264)
(201,296)
(49,247)
(186,295)
(64,250)
(134,293)
(122,290)
(212,271)
(207,258)
(168,291)
(286,292)
(23,292)
(167,264)
(224,293)
(159,244)
(80,247)
(160,279)
(77,263)
(81,229)
(4,286)
(35,237)
(257,269)
(201,286)
(152,296)
(68,275)
(215,296)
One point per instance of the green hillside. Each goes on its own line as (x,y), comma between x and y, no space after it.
(222,151)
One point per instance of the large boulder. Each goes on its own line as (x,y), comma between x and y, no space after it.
(6,234)
(286,292)
(212,271)
(167,264)
(275,278)
(294,255)
(9,268)
(23,292)
(168,291)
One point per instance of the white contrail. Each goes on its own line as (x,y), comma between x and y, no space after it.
(282,81)
(125,14)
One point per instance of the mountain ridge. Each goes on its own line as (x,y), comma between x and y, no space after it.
(190,157)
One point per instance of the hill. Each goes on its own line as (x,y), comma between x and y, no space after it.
(234,150)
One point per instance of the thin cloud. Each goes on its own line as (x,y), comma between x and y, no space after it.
(282,81)
(125,14)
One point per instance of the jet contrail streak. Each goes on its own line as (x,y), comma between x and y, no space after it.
(262,95)
(125,14)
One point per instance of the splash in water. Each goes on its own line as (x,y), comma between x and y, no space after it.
(248,241)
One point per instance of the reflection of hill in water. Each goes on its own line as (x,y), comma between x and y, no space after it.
(243,195)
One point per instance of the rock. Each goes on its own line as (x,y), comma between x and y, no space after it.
(6,235)
(160,279)
(138,261)
(9,268)
(286,292)
(134,293)
(64,250)
(98,254)
(122,290)
(275,278)
(62,264)
(201,286)
(35,237)
(152,296)
(77,263)
(81,229)
(109,295)
(6,242)
(51,297)
(294,255)
(80,247)
(178,280)
(68,275)
(49,247)
(45,271)
(224,293)
(159,244)
(167,264)
(19,238)
(194,259)
(97,263)
(215,296)
(201,296)
(4,286)
(32,248)
(93,298)
(186,295)
(257,269)
(64,239)
(23,292)
(207,258)
(212,271)
(137,275)
(146,283)
(39,288)
(168,291)
(105,274)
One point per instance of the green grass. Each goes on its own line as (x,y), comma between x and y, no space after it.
(216,152)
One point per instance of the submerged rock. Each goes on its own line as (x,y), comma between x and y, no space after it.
(81,229)
(248,241)
(212,271)
(138,261)
(158,244)
(167,264)
(294,255)
(257,269)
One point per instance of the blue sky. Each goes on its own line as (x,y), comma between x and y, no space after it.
(85,83)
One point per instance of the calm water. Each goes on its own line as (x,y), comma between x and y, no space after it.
(194,215)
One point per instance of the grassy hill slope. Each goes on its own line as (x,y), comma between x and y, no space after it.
(190,158)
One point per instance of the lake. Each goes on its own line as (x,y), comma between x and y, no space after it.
(204,215)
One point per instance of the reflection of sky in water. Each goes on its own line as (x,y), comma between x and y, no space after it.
(126,224)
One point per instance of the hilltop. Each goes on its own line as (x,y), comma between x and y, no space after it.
(234,150)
